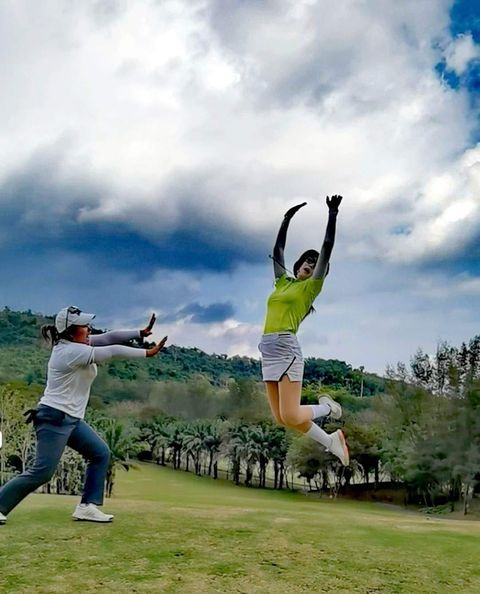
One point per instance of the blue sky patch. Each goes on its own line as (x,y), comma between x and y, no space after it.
(465,18)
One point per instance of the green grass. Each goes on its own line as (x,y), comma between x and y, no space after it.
(177,533)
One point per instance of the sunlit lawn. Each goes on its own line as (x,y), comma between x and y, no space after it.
(178,533)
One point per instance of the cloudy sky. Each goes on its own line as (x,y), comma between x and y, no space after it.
(149,149)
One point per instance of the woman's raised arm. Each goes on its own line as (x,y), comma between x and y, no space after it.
(279,247)
(321,267)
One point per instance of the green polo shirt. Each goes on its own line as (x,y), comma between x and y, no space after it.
(290,302)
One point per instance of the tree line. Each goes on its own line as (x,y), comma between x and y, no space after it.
(24,356)
(421,431)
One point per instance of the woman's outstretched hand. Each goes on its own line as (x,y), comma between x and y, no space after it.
(148,329)
(292,211)
(157,348)
(334,202)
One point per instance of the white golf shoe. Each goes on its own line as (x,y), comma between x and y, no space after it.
(89,512)
(335,408)
(3,518)
(339,447)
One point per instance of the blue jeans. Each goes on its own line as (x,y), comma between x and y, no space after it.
(55,430)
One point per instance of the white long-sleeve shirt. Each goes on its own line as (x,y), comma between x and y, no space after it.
(72,368)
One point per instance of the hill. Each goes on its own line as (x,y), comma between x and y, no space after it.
(24,356)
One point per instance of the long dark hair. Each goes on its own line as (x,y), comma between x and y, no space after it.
(303,257)
(52,335)
(296,267)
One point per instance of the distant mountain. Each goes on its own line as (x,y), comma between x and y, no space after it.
(24,356)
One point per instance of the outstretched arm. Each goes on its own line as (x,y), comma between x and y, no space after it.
(121,336)
(116,351)
(279,247)
(321,268)
(113,337)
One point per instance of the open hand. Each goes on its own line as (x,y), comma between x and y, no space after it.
(334,202)
(292,211)
(148,329)
(157,348)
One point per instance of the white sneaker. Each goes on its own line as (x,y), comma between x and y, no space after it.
(335,408)
(3,518)
(89,512)
(339,447)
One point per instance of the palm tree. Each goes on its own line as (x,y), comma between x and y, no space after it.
(241,446)
(278,454)
(265,437)
(123,441)
(212,444)
(174,441)
(193,443)
(231,447)
(156,435)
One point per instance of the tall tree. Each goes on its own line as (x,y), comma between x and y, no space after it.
(123,442)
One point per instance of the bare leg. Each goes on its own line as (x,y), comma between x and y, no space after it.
(272,395)
(293,414)
(299,417)
(296,416)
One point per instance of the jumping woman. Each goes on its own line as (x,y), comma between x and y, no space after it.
(58,419)
(282,359)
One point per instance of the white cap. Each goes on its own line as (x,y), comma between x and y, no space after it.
(72,316)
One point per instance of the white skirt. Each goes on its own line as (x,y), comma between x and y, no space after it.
(281,354)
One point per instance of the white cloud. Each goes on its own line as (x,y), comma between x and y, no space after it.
(231,337)
(263,104)
(460,52)
(243,110)
(446,215)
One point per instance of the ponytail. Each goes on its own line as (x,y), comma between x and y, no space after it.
(310,311)
(52,335)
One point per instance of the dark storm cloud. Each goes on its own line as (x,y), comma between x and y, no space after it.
(41,213)
(39,202)
(202,314)
(465,261)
